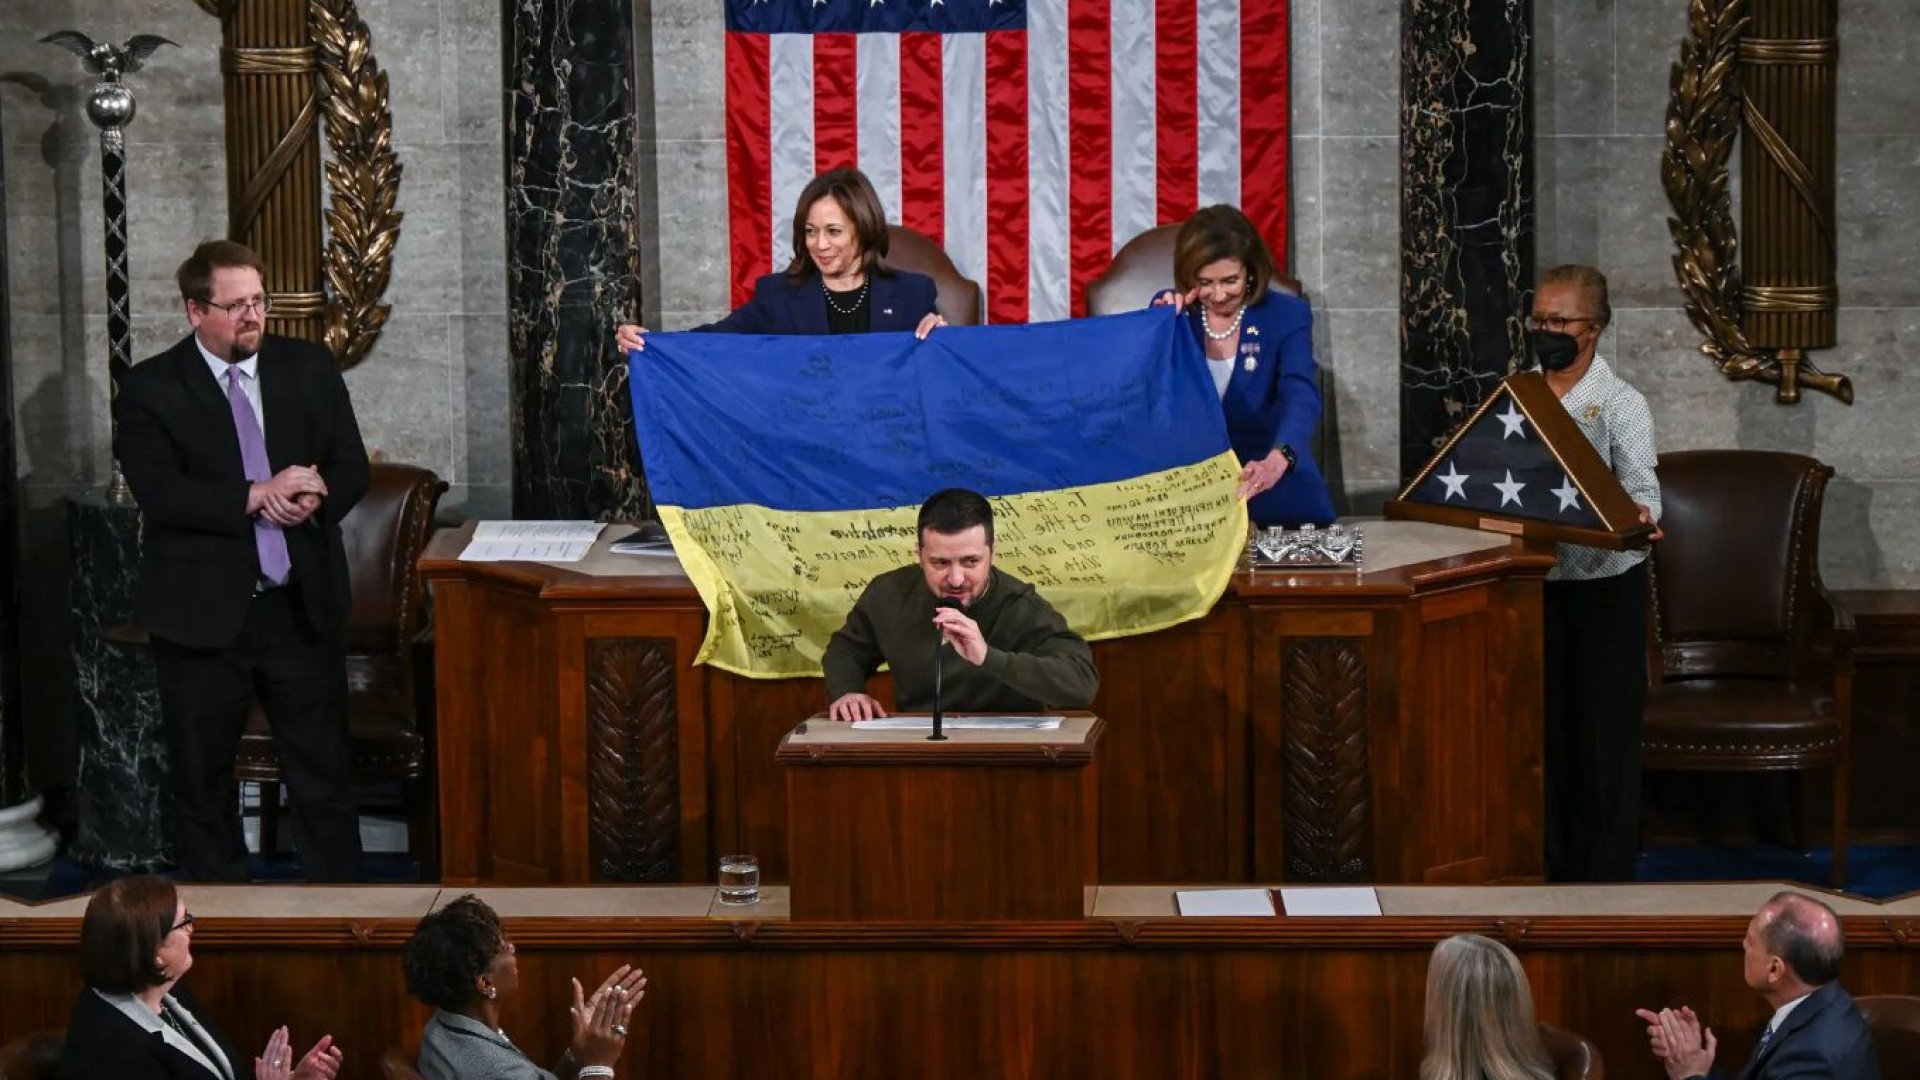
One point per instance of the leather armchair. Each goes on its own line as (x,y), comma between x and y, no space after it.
(1751,659)
(1143,267)
(389,714)
(396,1065)
(1894,1020)
(1574,1056)
(33,1057)
(959,297)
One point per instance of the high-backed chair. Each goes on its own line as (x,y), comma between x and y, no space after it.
(33,1057)
(1574,1057)
(1894,1020)
(1144,266)
(958,295)
(395,1065)
(1750,658)
(389,723)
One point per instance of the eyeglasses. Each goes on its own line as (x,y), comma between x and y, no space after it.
(185,923)
(1555,323)
(258,305)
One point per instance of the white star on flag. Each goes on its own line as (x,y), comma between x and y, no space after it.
(1512,420)
(1569,495)
(1456,482)
(1510,490)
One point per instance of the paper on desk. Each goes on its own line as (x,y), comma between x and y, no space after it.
(1331,900)
(1224,901)
(961,723)
(531,541)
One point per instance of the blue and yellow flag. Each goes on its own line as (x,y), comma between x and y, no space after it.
(789,471)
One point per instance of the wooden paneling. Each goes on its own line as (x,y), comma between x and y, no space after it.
(1234,749)
(1154,998)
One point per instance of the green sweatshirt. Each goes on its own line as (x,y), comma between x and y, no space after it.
(1033,660)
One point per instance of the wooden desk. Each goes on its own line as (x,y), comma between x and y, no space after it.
(1131,991)
(887,825)
(1315,726)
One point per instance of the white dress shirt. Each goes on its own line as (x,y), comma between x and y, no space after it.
(1615,419)
(249,379)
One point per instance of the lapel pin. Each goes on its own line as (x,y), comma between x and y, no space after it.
(1593,412)
(886,311)
(1251,363)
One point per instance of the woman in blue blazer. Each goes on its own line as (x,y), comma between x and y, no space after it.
(1259,347)
(835,283)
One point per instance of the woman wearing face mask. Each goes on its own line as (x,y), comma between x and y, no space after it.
(1595,601)
(135,1022)
(1259,347)
(835,283)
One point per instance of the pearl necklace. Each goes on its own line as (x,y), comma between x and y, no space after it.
(1232,328)
(858,299)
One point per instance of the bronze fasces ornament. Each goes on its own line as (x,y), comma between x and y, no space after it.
(1762,70)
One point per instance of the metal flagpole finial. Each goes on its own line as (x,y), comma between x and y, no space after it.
(110,106)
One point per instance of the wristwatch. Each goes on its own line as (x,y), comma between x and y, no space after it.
(1287,452)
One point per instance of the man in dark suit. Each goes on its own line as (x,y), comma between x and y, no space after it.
(1792,959)
(244,454)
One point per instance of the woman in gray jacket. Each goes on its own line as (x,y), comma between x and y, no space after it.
(460,961)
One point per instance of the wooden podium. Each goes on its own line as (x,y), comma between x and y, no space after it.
(990,824)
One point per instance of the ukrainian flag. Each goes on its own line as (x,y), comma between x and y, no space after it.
(789,471)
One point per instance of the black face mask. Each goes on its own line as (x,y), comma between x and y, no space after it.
(1555,351)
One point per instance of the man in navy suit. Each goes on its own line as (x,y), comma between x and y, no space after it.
(243,452)
(1792,959)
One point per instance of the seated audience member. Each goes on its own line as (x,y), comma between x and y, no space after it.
(460,962)
(835,283)
(1791,958)
(1016,652)
(135,1021)
(1479,1023)
(1259,346)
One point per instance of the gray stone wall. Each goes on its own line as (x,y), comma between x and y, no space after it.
(432,392)
(1600,113)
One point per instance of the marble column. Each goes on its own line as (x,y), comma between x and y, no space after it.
(572,255)
(122,776)
(1466,209)
(23,840)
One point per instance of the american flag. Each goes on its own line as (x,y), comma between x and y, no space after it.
(1499,464)
(1030,138)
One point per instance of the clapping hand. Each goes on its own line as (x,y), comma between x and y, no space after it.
(1679,1041)
(320,1063)
(600,1021)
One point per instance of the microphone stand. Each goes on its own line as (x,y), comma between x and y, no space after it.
(939,664)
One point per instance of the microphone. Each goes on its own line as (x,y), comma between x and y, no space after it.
(939,664)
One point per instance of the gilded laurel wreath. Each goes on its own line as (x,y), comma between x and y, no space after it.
(1703,117)
(363,176)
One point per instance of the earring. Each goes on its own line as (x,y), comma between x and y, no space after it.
(490,992)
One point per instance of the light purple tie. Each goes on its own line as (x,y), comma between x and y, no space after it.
(268,540)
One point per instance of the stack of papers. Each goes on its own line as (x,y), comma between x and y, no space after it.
(961,723)
(1228,902)
(531,541)
(1331,900)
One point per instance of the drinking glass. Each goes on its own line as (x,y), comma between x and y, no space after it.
(739,879)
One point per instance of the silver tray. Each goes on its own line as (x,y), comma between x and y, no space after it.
(1337,547)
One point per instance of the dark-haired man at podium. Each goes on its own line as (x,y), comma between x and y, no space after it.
(1011,651)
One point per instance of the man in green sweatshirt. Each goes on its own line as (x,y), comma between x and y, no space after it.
(1012,651)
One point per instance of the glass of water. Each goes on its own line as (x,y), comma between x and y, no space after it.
(739,879)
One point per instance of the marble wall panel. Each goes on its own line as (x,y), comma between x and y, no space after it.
(1877,181)
(1360,199)
(689,70)
(481,401)
(412,51)
(1648,36)
(1879,51)
(405,406)
(1305,237)
(1305,68)
(1360,351)
(1865,531)
(693,219)
(1574,42)
(1359,82)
